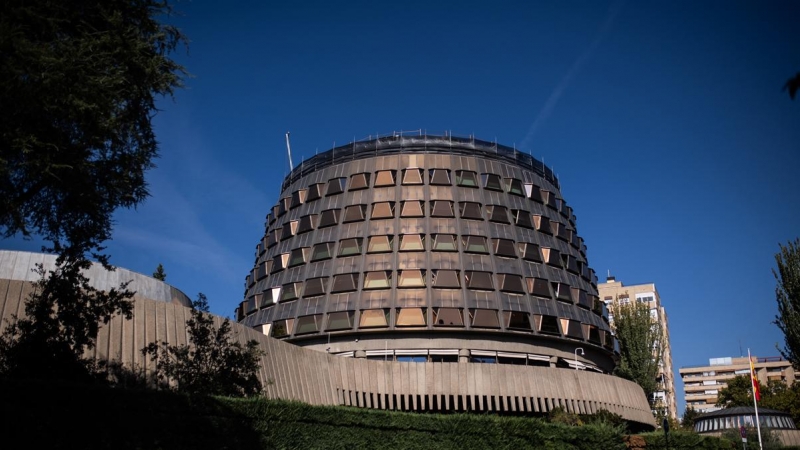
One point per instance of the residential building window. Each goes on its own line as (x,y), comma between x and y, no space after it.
(307,223)
(514,186)
(282,328)
(510,283)
(517,320)
(299,256)
(314,192)
(315,287)
(291,291)
(546,324)
(529,252)
(496,213)
(521,218)
(298,198)
(470,210)
(539,287)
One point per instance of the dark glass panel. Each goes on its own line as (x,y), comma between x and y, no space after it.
(307,223)
(484,318)
(412,243)
(411,278)
(497,213)
(282,328)
(335,186)
(444,243)
(298,256)
(539,287)
(474,244)
(298,198)
(504,247)
(440,177)
(442,208)
(511,283)
(514,186)
(529,252)
(522,218)
(492,182)
(547,324)
(466,178)
(315,287)
(479,280)
(328,218)
(308,324)
(314,192)
(350,247)
(345,282)
(291,291)
(354,213)
(359,181)
(470,210)
(342,320)
(446,279)
(322,251)
(448,317)
(518,320)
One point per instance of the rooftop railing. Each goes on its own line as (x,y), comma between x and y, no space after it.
(419,142)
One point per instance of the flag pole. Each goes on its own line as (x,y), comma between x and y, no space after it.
(753,386)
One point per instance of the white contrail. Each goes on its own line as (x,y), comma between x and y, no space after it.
(548,107)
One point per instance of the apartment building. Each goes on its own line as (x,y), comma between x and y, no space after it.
(701,384)
(615,291)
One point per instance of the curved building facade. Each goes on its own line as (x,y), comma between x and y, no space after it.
(428,248)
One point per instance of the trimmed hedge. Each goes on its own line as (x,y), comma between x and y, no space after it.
(69,416)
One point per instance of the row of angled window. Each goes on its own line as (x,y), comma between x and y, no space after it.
(441,317)
(416,209)
(418,278)
(415,176)
(504,248)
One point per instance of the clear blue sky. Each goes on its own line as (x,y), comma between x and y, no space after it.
(665,122)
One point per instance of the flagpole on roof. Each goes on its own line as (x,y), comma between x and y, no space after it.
(756,396)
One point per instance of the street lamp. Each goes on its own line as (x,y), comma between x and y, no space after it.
(576,356)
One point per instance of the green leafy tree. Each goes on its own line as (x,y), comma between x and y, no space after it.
(62,318)
(688,419)
(212,364)
(787,293)
(641,345)
(738,392)
(80,80)
(159,274)
(792,85)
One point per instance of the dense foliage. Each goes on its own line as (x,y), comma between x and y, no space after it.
(80,83)
(775,395)
(212,364)
(159,273)
(62,318)
(641,345)
(787,293)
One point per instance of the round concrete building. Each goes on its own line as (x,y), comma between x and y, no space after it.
(428,249)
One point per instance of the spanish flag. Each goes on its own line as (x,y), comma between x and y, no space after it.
(754,381)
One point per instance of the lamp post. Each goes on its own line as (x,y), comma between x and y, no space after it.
(576,356)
